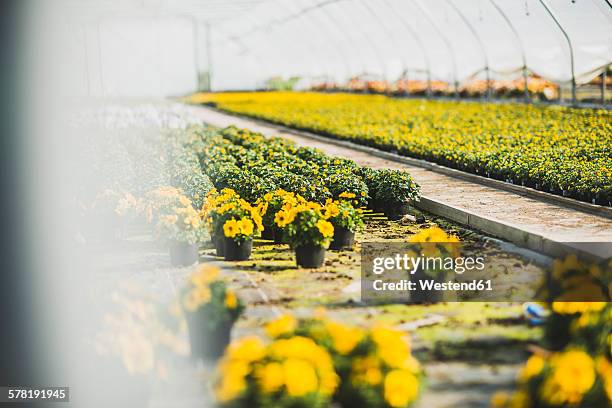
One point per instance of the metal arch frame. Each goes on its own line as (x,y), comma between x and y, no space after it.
(366,37)
(311,47)
(384,28)
(519,42)
(251,49)
(480,43)
(417,39)
(571,48)
(317,24)
(446,42)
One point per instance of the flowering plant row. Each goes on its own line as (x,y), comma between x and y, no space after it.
(254,165)
(556,149)
(314,362)
(575,368)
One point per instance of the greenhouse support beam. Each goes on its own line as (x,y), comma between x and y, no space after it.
(603,85)
(383,26)
(520,44)
(419,42)
(446,42)
(480,43)
(196,51)
(569,43)
(209,62)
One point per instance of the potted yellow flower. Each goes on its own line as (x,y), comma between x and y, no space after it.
(270,205)
(308,231)
(375,366)
(233,222)
(286,373)
(238,238)
(346,220)
(180,223)
(211,310)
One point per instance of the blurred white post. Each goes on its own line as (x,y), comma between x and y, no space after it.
(196,51)
(603,85)
(209,61)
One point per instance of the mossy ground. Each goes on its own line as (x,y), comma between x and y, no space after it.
(472,332)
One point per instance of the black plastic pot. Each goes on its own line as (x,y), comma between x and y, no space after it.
(219,242)
(183,253)
(309,256)
(207,343)
(395,211)
(343,238)
(237,251)
(267,233)
(376,205)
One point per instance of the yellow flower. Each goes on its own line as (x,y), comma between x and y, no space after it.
(400,388)
(344,338)
(577,307)
(300,377)
(204,276)
(284,218)
(283,325)
(325,228)
(231,301)
(366,370)
(245,227)
(604,367)
(391,347)
(533,367)
(233,382)
(500,399)
(331,210)
(249,348)
(231,228)
(270,377)
(346,195)
(573,375)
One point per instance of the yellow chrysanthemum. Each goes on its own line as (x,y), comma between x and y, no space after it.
(344,338)
(231,300)
(270,377)
(325,228)
(245,227)
(300,377)
(283,325)
(533,367)
(573,375)
(231,228)
(284,218)
(401,387)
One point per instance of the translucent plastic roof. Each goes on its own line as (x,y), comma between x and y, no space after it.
(450,40)
(164,47)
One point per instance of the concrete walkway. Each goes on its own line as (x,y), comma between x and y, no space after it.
(538,224)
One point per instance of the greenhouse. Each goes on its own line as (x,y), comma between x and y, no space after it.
(307,203)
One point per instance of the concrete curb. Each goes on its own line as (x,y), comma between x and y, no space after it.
(474,178)
(492,226)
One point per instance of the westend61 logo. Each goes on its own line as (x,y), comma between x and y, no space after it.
(424,272)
